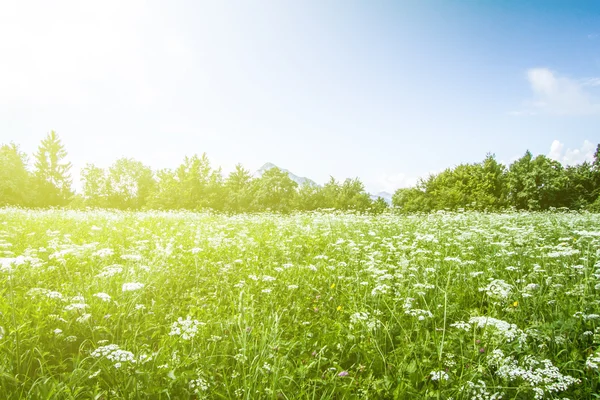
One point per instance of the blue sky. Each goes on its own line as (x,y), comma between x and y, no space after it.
(384,91)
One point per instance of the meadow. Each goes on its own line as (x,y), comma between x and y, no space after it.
(178,305)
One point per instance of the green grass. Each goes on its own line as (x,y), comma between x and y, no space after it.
(306,306)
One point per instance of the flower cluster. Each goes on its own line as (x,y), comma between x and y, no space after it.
(199,385)
(497,289)
(102,296)
(439,376)
(186,328)
(363,318)
(109,271)
(131,286)
(479,391)
(509,331)
(113,353)
(541,376)
(593,361)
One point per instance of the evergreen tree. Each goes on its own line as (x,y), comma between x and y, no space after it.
(52,178)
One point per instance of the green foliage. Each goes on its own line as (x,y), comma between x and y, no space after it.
(52,180)
(530,183)
(274,191)
(129,184)
(15,179)
(536,183)
(238,190)
(95,186)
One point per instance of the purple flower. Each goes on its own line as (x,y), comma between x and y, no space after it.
(343,373)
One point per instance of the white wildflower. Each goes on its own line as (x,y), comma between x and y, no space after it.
(439,376)
(186,328)
(132,286)
(102,296)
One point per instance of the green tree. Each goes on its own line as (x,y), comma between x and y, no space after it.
(194,178)
(579,189)
(52,178)
(352,196)
(15,179)
(409,200)
(330,193)
(536,183)
(129,184)
(309,197)
(238,190)
(274,191)
(95,186)
(165,195)
(379,205)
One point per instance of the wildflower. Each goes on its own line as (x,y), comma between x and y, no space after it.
(102,296)
(199,385)
(110,271)
(541,376)
(332,286)
(129,287)
(343,373)
(439,376)
(113,353)
(84,318)
(593,361)
(497,289)
(186,328)
(54,295)
(95,374)
(502,328)
(465,326)
(76,306)
(339,308)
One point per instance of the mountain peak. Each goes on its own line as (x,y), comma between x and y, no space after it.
(267,166)
(300,180)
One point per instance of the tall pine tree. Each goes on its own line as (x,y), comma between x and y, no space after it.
(52,178)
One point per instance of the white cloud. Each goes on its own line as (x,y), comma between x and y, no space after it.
(558,95)
(572,156)
(590,82)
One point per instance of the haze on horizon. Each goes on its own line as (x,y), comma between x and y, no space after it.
(387,92)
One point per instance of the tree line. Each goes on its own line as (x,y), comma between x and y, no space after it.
(128,184)
(529,183)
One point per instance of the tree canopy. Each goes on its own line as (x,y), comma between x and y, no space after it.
(529,183)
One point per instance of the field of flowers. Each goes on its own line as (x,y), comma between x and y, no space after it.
(111,305)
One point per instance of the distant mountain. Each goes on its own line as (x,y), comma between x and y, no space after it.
(384,195)
(300,180)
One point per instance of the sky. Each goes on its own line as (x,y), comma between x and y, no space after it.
(386,91)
